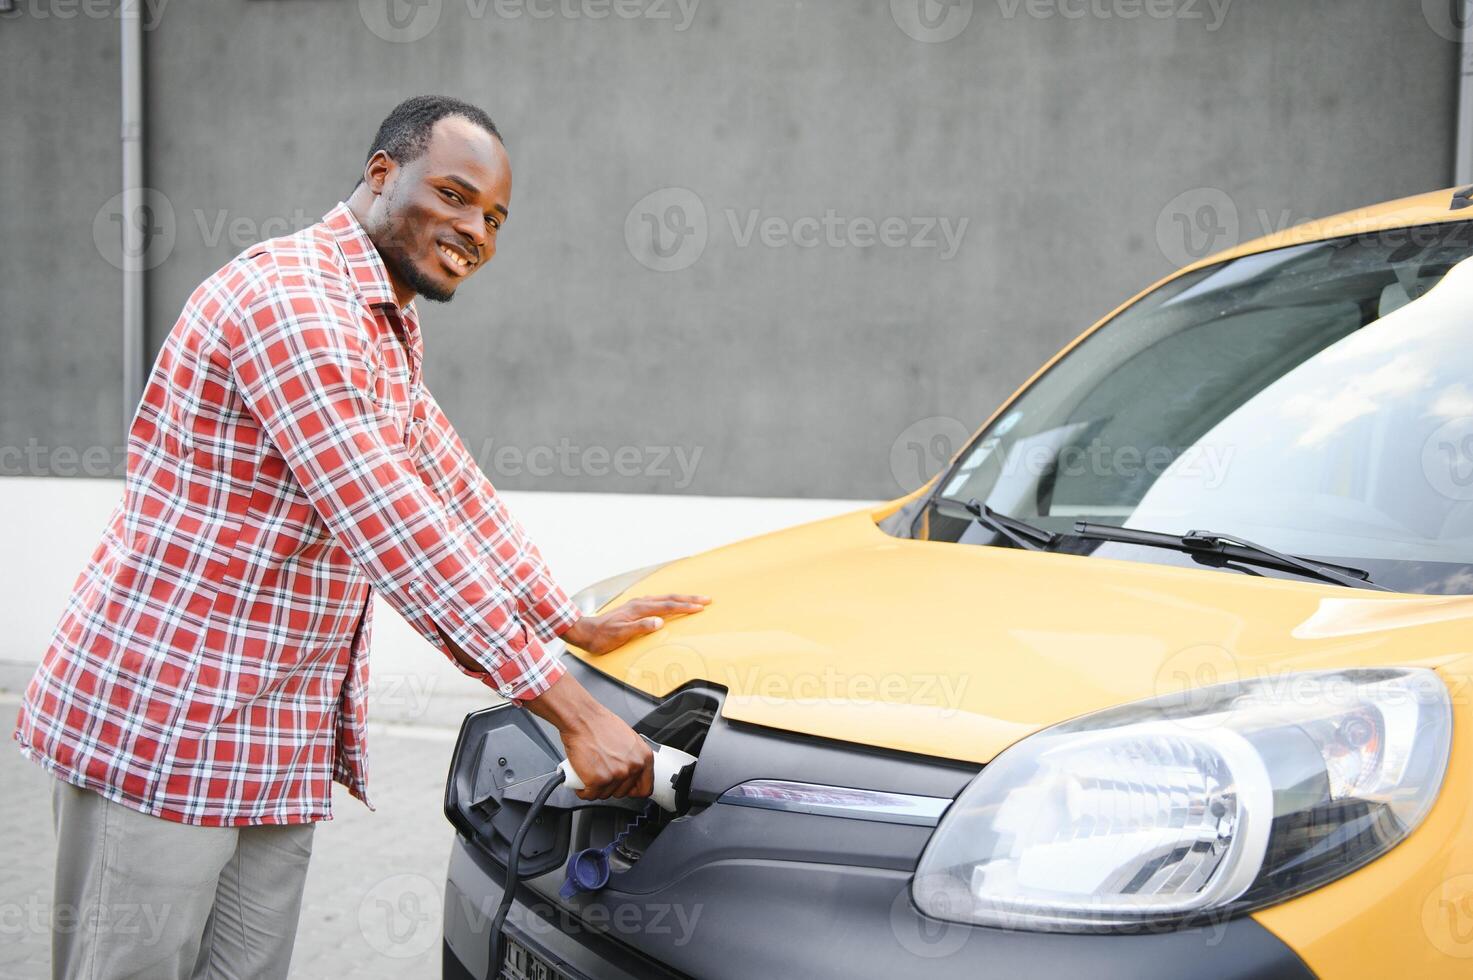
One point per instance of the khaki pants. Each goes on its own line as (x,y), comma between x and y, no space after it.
(138,896)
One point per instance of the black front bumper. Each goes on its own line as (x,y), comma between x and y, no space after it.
(780,918)
(736,891)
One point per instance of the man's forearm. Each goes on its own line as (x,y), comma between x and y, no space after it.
(566,705)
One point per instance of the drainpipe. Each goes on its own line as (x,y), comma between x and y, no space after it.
(134,280)
(1463,169)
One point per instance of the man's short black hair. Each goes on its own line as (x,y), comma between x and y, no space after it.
(405,134)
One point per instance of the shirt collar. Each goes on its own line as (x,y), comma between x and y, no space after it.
(365,265)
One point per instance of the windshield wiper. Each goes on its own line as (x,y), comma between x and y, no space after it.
(1232,547)
(1020,533)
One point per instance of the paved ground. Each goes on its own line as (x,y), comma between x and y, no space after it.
(372,906)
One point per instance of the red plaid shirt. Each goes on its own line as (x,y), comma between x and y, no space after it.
(286,462)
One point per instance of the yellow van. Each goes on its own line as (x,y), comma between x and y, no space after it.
(1166,674)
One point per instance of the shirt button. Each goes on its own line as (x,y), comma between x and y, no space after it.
(507,689)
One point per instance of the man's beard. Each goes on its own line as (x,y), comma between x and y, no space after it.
(401,265)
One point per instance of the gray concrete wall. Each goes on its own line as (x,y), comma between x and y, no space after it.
(60,338)
(1072,146)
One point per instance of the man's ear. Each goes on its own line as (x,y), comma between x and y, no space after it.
(379,169)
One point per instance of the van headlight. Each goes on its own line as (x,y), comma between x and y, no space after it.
(593,598)
(1198,805)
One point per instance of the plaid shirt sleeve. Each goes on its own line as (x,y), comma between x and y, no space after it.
(471,499)
(304,371)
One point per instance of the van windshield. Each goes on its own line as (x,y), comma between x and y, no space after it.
(1316,399)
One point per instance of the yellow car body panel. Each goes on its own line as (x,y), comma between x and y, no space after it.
(840,631)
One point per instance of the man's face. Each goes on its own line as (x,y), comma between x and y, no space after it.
(435,218)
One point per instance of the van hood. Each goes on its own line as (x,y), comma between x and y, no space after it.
(838,630)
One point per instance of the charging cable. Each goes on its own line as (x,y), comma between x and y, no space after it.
(513,863)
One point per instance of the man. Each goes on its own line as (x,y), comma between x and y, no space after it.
(206,683)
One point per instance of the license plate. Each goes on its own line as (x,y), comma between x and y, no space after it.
(523,964)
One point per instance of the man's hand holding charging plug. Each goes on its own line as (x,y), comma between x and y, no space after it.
(607,755)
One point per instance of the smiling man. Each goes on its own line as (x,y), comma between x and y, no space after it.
(206,683)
